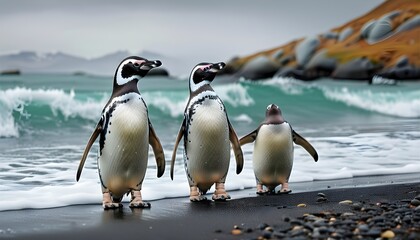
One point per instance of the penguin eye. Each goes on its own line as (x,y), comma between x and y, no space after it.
(136,64)
(269,106)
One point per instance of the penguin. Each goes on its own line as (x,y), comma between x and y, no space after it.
(207,131)
(125,132)
(273,151)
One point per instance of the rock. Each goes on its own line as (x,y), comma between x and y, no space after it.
(415,202)
(296,73)
(403,73)
(267,234)
(356,206)
(330,35)
(236,231)
(260,67)
(286,59)
(388,234)
(367,27)
(262,226)
(392,14)
(321,61)
(305,49)
(381,29)
(409,24)
(278,54)
(321,195)
(347,202)
(301,205)
(402,61)
(359,68)
(345,34)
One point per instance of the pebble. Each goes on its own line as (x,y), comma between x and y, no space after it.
(321,195)
(363,220)
(356,206)
(236,232)
(321,199)
(301,205)
(346,202)
(415,202)
(388,234)
(262,226)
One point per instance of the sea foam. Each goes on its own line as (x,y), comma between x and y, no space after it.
(58,101)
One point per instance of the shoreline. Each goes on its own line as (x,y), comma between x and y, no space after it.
(178,218)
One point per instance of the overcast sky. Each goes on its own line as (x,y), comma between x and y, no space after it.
(216,29)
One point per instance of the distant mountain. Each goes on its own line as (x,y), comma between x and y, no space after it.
(384,42)
(32,62)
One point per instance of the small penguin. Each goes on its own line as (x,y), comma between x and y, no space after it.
(273,151)
(125,132)
(207,131)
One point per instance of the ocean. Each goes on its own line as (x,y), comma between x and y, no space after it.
(46,120)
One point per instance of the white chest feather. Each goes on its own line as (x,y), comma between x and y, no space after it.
(207,146)
(123,159)
(273,152)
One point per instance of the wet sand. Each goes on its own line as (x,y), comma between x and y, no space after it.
(247,216)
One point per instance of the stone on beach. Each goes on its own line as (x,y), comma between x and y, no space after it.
(305,49)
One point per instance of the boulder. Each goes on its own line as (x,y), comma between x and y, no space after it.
(376,30)
(366,28)
(380,30)
(305,75)
(359,68)
(330,35)
(345,34)
(402,61)
(401,73)
(260,67)
(278,54)
(305,49)
(321,61)
(409,24)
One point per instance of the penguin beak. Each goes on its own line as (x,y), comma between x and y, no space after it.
(217,67)
(148,65)
(273,109)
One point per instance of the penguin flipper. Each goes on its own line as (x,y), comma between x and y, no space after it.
(249,138)
(305,144)
(178,139)
(92,139)
(157,150)
(236,149)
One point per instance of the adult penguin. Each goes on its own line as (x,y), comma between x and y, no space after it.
(125,132)
(206,130)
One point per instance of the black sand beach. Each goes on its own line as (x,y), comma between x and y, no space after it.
(373,210)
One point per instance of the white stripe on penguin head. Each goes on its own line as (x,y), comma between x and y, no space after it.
(120,79)
(194,86)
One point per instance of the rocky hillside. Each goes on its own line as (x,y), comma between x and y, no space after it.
(384,42)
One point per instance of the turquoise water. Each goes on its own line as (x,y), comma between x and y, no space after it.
(46,120)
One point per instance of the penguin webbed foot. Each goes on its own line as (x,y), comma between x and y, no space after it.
(108,206)
(137,201)
(220,197)
(220,193)
(260,190)
(140,205)
(196,195)
(108,202)
(199,198)
(284,189)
